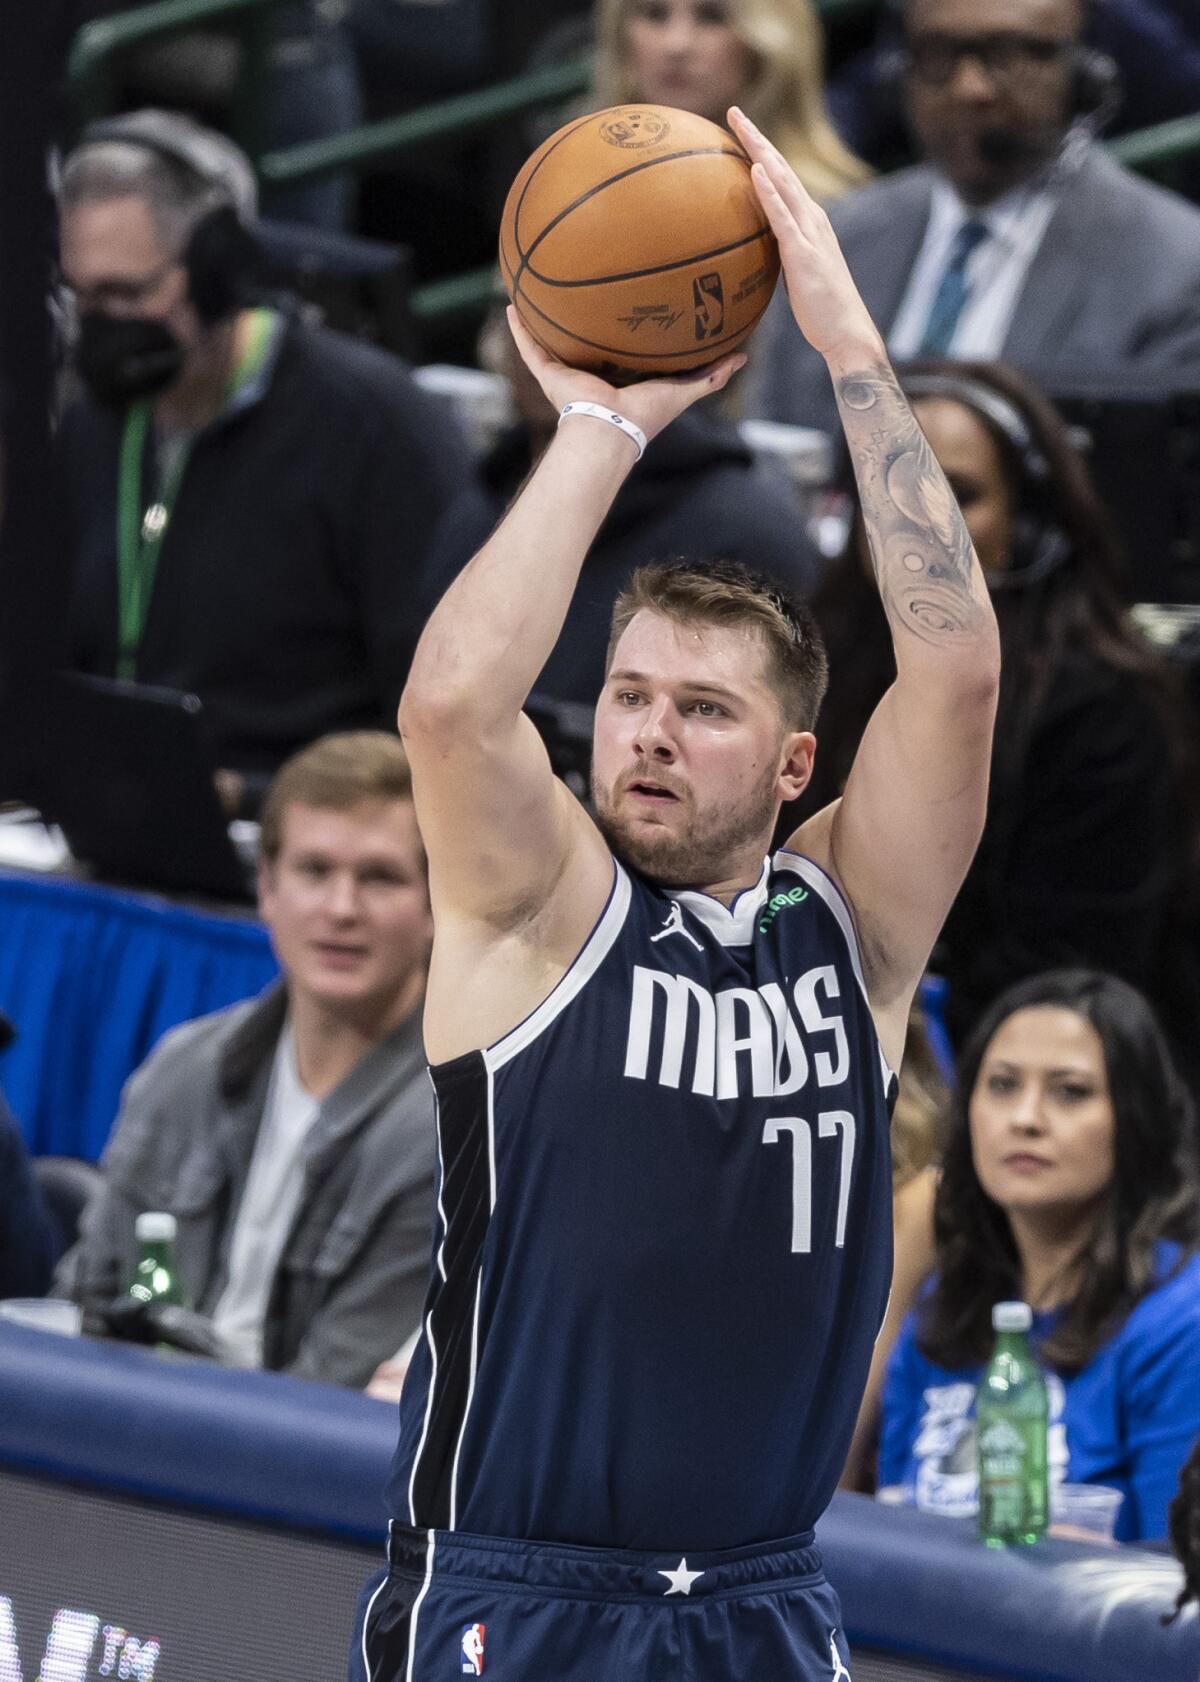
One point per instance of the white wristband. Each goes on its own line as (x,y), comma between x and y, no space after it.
(634,433)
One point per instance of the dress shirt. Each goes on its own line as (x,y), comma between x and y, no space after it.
(996,269)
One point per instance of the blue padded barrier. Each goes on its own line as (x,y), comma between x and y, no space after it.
(92,977)
(172,1428)
(267,1448)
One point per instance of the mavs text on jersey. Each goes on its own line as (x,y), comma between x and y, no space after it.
(662,1257)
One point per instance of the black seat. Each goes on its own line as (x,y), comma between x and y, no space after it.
(68,1183)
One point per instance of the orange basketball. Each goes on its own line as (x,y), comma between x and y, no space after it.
(633,243)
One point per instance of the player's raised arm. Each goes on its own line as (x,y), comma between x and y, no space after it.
(499,828)
(902,836)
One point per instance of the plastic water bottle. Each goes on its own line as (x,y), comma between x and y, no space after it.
(1011,1413)
(156,1279)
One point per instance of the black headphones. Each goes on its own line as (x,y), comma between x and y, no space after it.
(221,255)
(1039,543)
(1095,78)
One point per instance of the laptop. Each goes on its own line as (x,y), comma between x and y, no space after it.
(125,771)
(1144,453)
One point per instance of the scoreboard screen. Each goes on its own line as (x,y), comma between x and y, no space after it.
(100,1586)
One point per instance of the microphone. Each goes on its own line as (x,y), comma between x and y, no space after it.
(1002,148)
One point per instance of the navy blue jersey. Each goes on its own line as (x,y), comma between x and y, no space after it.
(663,1247)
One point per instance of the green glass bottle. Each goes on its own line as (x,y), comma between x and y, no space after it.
(156,1279)
(1011,1416)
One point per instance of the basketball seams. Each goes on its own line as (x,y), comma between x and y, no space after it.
(551,147)
(657,268)
(580,223)
(737,333)
(613,180)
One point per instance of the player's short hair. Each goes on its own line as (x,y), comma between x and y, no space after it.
(335,773)
(728,593)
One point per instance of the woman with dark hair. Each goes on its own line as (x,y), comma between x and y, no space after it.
(1066,1183)
(1089,851)
(1184,1531)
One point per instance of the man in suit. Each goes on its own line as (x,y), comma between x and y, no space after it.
(1155,44)
(1018,237)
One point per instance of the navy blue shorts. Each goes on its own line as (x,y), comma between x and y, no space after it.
(453,1605)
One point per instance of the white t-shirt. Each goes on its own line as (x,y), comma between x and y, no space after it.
(267,1209)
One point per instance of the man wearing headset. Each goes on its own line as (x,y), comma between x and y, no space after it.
(238,477)
(1017,237)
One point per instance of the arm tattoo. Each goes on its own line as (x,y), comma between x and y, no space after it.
(929,579)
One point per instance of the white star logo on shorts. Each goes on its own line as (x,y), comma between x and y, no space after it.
(681,1579)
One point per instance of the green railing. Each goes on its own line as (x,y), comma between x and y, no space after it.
(1160,150)
(99,46)
(449,119)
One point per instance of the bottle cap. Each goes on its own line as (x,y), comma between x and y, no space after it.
(154,1227)
(1011,1317)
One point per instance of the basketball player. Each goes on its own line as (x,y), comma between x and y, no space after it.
(664,1063)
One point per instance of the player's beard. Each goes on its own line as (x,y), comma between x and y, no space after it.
(698,851)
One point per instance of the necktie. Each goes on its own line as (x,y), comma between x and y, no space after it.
(952,292)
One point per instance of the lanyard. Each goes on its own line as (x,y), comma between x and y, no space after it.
(141,528)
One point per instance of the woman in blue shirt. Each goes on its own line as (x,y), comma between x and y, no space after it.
(1069,1182)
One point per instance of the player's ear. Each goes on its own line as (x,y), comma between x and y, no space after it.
(796,762)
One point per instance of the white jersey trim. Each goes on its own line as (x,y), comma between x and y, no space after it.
(730,925)
(440,1260)
(367,1619)
(827,889)
(462,1429)
(412,1626)
(441,1208)
(591,955)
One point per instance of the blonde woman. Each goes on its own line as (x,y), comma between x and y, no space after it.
(768,56)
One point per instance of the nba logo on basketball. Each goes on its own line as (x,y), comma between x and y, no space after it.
(472,1650)
(708,296)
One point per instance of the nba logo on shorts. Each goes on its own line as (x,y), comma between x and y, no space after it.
(472,1650)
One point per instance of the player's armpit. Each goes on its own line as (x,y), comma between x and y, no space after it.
(901,838)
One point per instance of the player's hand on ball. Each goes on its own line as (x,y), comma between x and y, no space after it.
(821,290)
(650,404)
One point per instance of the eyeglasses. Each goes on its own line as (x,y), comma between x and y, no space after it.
(1005,54)
(119,294)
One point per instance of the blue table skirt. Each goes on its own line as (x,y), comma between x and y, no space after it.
(92,977)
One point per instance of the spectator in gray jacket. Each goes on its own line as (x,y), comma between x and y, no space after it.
(292,1136)
(1017,237)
